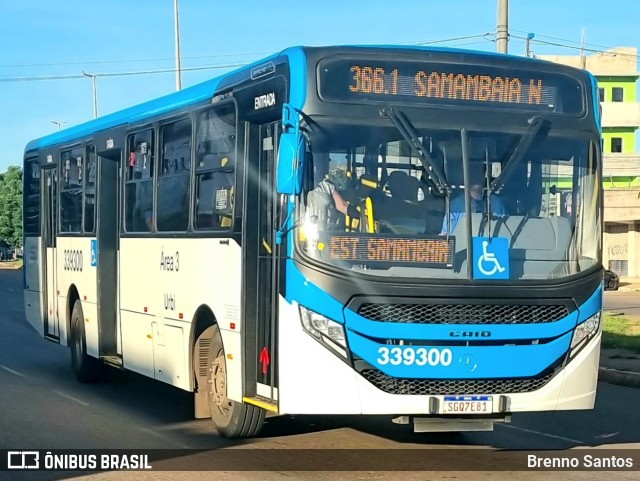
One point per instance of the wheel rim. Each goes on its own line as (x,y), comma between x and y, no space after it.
(219,385)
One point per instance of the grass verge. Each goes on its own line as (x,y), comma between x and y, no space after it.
(17,264)
(621,332)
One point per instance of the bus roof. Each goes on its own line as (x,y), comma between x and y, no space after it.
(205,90)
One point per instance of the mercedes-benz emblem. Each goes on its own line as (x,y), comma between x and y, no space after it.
(468,363)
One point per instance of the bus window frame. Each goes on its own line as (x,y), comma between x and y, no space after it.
(61,188)
(160,126)
(87,145)
(30,160)
(197,113)
(148,127)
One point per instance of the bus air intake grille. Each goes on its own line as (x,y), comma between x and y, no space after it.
(444,387)
(463,313)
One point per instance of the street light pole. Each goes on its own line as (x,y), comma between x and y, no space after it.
(527,50)
(58,123)
(177,45)
(95,92)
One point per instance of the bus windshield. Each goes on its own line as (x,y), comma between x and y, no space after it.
(387,201)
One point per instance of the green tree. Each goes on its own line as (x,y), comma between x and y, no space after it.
(11,206)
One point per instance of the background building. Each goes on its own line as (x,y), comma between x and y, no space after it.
(617,74)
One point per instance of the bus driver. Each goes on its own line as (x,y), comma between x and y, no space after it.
(325,198)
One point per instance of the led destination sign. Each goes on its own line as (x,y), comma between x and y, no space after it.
(449,84)
(388,250)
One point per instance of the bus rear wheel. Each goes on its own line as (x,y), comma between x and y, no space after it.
(232,419)
(86,368)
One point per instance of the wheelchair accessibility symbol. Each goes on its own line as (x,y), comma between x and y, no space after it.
(490,258)
(94,252)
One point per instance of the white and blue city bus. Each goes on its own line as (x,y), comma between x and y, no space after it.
(336,230)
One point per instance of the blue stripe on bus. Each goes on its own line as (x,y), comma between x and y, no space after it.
(592,305)
(498,332)
(298,76)
(463,362)
(133,114)
(309,295)
(150,109)
(407,331)
(596,101)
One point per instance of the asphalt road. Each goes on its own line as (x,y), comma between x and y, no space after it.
(622,301)
(43,407)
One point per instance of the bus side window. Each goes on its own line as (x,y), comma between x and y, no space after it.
(215,168)
(215,196)
(173,180)
(138,182)
(71,192)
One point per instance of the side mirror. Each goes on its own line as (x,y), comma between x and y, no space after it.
(291,154)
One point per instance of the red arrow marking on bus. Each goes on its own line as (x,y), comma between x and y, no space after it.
(264,359)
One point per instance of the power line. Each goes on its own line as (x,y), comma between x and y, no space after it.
(556,44)
(431,42)
(116,74)
(484,36)
(205,67)
(199,57)
(565,39)
(102,62)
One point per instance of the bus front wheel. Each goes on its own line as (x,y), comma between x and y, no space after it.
(232,419)
(85,367)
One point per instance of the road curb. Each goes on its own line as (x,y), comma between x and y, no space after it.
(621,378)
(628,289)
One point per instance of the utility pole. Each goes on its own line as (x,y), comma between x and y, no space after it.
(58,123)
(502,28)
(527,51)
(583,58)
(95,92)
(177,42)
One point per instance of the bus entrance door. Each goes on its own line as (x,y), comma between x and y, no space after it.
(106,255)
(262,266)
(49,264)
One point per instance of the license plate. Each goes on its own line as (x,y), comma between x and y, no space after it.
(467,405)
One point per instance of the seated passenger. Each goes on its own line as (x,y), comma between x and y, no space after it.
(326,197)
(478,205)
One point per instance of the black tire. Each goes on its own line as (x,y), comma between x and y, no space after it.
(232,419)
(86,368)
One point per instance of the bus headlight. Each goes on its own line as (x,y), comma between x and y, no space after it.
(585,330)
(322,328)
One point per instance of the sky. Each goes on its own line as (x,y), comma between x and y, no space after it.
(118,39)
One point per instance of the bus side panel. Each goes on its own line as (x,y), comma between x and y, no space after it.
(171,278)
(91,328)
(210,274)
(67,261)
(84,279)
(140,297)
(33,301)
(169,356)
(140,283)
(201,272)
(137,342)
(312,380)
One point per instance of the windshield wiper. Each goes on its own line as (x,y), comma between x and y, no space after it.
(406,130)
(535,124)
